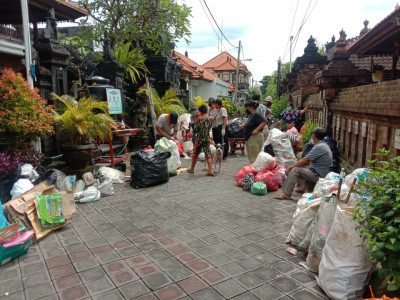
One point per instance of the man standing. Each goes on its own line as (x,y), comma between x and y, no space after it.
(167,126)
(319,160)
(220,120)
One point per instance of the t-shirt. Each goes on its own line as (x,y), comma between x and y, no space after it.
(164,124)
(202,128)
(220,115)
(262,110)
(252,123)
(321,158)
(212,113)
(290,117)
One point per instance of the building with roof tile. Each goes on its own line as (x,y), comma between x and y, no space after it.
(200,81)
(224,66)
(354,90)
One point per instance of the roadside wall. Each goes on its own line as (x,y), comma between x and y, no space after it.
(364,119)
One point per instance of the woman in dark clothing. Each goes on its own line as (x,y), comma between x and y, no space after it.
(253,131)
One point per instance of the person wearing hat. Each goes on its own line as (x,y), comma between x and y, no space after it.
(167,124)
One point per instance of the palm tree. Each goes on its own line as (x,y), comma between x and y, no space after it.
(166,104)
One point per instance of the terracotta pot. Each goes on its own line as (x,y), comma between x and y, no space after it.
(77,157)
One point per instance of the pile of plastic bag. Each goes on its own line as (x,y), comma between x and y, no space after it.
(174,162)
(282,147)
(324,227)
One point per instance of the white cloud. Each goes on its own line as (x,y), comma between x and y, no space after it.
(263,26)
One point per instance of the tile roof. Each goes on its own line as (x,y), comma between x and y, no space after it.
(73,6)
(374,30)
(221,60)
(195,70)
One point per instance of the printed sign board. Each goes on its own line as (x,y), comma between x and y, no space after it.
(114,101)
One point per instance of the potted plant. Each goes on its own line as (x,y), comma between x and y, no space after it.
(84,120)
(378,216)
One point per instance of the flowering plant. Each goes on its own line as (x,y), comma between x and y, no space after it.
(29,156)
(8,164)
(22,110)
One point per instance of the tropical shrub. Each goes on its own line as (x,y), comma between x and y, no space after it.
(165,104)
(378,216)
(29,156)
(8,164)
(279,106)
(198,101)
(307,131)
(132,59)
(22,112)
(84,119)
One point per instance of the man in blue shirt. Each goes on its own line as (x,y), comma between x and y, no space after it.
(319,160)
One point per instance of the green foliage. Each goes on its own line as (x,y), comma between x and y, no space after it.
(80,44)
(264,83)
(271,87)
(279,106)
(241,110)
(378,216)
(132,59)
(253,91)
(23,114)
(149,24)
(198,101)
(166,104)
(308,129)
(82,119)
(231,107)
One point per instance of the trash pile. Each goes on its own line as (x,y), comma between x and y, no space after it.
(323,226)
(43,200)
(263,174)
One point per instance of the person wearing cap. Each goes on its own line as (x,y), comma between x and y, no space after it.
(306,172)
(167,126)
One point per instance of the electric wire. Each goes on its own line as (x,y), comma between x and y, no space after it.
(217,24)
(215,31)
(291,27)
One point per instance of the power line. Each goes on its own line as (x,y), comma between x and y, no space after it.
(304,22)
(217,24)
(291,27)
(216,33)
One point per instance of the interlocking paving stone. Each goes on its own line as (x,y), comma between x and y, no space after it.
(92,274)
(192,284)
(229,288)
(233,269)
(31,268)
(266,273)
(124,277)
(75,293)
(305,295)
(285,285)
(39,291)
(207,294)
(303,277)
(213,276)
(249,281)
(99,286)
(267,292)
(11,286)
(62,271)
(35,279)
(134,289)
(110,295)
(170,292)
(179,273)
(157,281)
(245,296)
(85,264)
(219,259)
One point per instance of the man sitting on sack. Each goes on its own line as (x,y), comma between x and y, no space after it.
(319,160)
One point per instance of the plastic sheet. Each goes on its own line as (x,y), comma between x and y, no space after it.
(20,187)
(89,195)
(149,168)
(116,175)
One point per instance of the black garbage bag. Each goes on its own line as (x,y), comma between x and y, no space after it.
(234,131)
(48,175)
(268,149)
(149,168)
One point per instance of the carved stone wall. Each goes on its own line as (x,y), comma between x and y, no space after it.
(364,119)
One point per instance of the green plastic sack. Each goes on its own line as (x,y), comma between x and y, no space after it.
(259,188)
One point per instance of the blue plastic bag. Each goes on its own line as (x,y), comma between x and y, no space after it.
(3,220)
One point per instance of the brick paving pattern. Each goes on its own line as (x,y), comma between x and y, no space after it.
(196,237)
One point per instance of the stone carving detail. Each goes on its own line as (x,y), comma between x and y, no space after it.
(50,32)
(365,29)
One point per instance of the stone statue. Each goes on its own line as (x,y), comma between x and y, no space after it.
(331,44)
(365,29)
(108,53)
(50,32)
(343,35)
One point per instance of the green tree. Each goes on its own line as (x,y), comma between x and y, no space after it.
(264,83)
(272,83)
(147,24)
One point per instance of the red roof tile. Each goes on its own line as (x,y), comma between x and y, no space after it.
(73,6)
(195,70)
(221,60)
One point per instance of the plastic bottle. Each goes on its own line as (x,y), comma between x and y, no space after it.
(342,173)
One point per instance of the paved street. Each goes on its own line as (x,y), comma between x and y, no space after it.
(196,237)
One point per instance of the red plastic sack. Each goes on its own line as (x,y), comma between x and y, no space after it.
(189,135)
(180,149)
(240,175)
(272,179)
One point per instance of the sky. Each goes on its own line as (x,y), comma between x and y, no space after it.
(264,27)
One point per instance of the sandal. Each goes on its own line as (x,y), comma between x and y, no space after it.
(190,171)
(282,197)
(211,174)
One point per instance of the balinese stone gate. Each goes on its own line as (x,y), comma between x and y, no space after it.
(364,119)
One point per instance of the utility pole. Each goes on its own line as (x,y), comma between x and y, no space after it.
(290,64)
(278,82)
(237,74)
(27,40)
